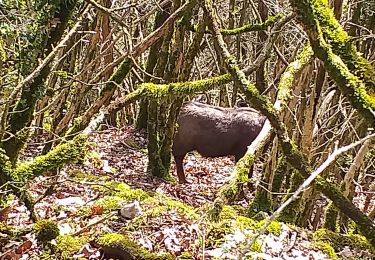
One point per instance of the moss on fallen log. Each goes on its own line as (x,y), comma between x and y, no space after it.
(119,246)
(17,178)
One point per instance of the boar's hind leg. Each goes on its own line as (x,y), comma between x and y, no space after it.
(179,159)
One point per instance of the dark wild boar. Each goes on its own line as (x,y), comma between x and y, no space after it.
(214,132)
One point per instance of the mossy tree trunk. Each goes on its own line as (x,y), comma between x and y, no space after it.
(174,64)
(61,103)
(239,50)
(106,39)
(22,115)
(152,60)
(260,75)
(155,164)
(296,75)
(278,177)
(156,122)
(176,61)
(308,120)
(181,74)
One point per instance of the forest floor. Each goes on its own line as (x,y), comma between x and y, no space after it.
(85,204)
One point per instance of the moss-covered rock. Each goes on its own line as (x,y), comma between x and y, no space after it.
(67,245)
(338,241)
(326,248)
(230,222)
(118,245)
(46,230)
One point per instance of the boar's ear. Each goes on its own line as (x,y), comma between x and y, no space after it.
(201,98)
(241,103)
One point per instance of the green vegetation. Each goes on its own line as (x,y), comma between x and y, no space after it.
(338,241)
(45,230)
(67,245)
(326,248)
(126,247)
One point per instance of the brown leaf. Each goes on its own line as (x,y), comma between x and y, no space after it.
(97,210)
(4,213)
(24,247)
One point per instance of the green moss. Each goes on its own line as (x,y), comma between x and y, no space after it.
(95,159)
(160,204)
(287,78)
(179,89)
(67,245)
(230,191)
(109,203)
(182,208)
(186,255)
(228,212)
(3,55)
(273,228)
(47,255)
(353,74)
(83,176)
(84,211)
(47,126)
(293,210)
(5,229)
(46,230)
(133,194)
(342,44)
(64,153)
(75,128)
(121,190)
(252,27)
(256,247)
(124,191)
(216,232)
(330,221)
(118,76)
(261,203)
(123,243)
(280,173)
(339,241)
(326,248)
(229,222)
(213,213)
(243,223)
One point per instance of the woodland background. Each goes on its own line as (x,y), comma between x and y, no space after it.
(81,78)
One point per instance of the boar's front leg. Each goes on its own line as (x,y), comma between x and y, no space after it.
(179,159)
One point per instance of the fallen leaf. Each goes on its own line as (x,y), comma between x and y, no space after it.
(24,247)
(4,213)
(97,210)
